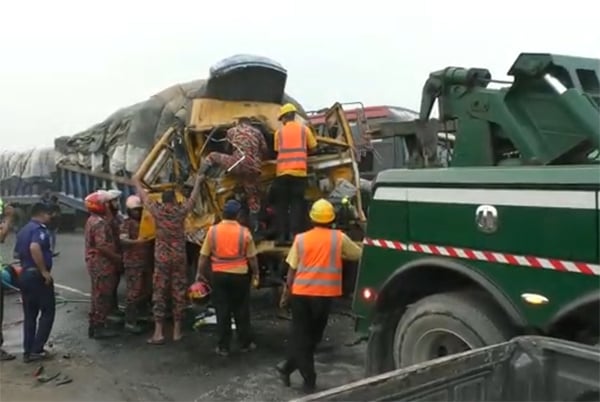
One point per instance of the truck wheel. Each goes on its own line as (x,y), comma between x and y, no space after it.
(446,324)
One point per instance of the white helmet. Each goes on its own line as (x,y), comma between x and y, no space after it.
(113,194)
(133,201)
(104,195)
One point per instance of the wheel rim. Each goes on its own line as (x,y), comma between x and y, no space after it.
(436,343)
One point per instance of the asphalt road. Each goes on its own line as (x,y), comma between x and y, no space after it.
(127,369)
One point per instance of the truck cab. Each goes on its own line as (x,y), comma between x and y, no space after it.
(256,91)
(503,242)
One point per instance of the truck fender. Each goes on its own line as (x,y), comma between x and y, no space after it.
(586,300)
(458,270)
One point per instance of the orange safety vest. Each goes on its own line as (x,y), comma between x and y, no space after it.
(319,272)
(228,246)
(292,151)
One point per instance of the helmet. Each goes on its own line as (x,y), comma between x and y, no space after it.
(199,292)
(133,201)
(113,194)
(95,202)
(285,109)
(322,211)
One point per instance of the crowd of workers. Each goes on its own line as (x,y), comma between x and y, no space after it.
(155,270)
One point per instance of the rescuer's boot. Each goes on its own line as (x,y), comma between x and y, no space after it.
(116,317)
(284,374)
(133,328)
(310,384)
(102,332)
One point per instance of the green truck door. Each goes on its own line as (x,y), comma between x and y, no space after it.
(527,240)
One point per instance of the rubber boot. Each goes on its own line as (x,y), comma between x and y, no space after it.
(284,373)
(310,384)
(133,328)
(116,317)
(103,332)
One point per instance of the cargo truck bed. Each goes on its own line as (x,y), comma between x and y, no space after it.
(524,369)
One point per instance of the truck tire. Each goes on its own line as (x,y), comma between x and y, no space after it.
(446,324)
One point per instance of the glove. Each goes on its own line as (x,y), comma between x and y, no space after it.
(255,281)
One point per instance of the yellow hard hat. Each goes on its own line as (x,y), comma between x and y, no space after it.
(322,211)
(285,109)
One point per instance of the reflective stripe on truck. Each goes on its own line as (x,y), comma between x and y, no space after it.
(488,256)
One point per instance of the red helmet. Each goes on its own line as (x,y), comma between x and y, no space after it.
(95,203)
(199,292)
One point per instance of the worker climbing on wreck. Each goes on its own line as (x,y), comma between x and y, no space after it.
(245,161)
(292,143)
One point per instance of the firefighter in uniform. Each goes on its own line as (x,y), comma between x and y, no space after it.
(170,260)
(229,248)
(114,216)
(315,279)
(101,258)
(136,253)
(292,143)
(249,149)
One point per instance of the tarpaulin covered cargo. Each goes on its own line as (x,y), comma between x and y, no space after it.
(119,144)
(31,164)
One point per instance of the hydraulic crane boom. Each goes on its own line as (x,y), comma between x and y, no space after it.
(549,115)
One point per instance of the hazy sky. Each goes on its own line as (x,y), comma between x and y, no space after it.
(65,65)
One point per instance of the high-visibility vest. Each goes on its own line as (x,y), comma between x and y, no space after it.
(319,272)
(292,151)
(229,243)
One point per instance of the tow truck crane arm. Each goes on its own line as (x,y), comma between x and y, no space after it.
(547,116)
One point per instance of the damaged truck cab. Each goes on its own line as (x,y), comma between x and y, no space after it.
(232,94)
(505,241)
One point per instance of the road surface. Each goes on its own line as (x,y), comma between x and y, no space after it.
(126,369)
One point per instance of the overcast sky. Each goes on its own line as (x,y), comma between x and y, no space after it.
(65,65)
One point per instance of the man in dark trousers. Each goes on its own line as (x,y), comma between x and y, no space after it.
(37,286)
(230,250)
(292,142)
(315,279)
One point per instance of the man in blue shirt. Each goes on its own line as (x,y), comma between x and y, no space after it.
(37,287)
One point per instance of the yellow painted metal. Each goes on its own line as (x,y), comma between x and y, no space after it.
(208,114)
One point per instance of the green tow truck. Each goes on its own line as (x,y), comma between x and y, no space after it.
(503,242)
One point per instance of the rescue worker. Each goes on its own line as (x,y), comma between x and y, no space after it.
(116,219)
(292,143)
(101,258)
(135,262)
(7,213)
(249,149)
(170,265)
(229,249)
(34,250)
(315,279)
